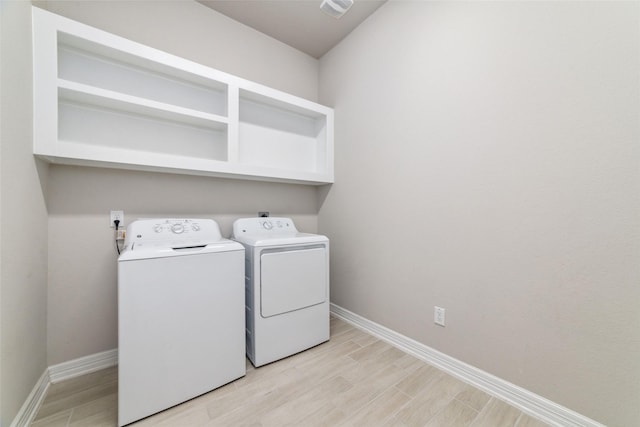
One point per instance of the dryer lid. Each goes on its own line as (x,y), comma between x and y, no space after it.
(271,231)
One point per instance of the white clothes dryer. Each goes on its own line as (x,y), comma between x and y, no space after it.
(286,288)
(180,314)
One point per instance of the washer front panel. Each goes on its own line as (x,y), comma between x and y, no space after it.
(180,329)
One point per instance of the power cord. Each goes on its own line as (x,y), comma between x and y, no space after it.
(117,223)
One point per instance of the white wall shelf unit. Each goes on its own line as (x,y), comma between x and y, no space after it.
(102,100)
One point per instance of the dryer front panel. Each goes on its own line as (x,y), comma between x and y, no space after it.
(292,279)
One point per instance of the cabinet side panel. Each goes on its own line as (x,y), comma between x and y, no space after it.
(45,94)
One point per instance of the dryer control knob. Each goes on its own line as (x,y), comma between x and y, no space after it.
(177,228)
(267,225)
(195,227)
(157,228)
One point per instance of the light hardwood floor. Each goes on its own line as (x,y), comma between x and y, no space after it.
(352,380)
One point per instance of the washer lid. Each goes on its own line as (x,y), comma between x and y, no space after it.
(271,231)
(155,238)
(150,250)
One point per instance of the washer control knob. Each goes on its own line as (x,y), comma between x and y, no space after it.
(195,227)
(177,228)
(157,228)
(267,225)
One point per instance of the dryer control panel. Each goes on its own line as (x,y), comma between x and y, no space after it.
(271,226)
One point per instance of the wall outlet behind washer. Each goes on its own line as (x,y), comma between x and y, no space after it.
(116,215)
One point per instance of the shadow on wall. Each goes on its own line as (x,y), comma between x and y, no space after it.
(322,193)
(74,190)
(42,169)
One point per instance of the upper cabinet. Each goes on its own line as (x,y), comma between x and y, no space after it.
(103,100)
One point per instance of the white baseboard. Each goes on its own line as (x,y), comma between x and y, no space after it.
(528,402)
(83,365)
(57,373)
(30,407)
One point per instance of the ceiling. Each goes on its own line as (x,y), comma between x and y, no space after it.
(298,23)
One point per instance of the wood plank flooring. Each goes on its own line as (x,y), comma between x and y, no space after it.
(352,380)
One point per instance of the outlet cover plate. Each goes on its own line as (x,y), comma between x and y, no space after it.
(116,215)
(438,315)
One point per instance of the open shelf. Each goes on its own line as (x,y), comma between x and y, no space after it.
(103,100)
(99,126)
(83,94)
(96,65)
(279,135)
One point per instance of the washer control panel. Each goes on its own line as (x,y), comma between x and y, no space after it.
(264,226)
(173,230)
(177,226)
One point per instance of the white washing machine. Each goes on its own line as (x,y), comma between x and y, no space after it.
(180,314)
(286,288)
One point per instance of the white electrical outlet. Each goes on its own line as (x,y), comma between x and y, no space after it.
(438,315)
(116,215)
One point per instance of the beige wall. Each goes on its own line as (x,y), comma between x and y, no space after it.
(23,220)
(82,311)
(488,162)
(505,134)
